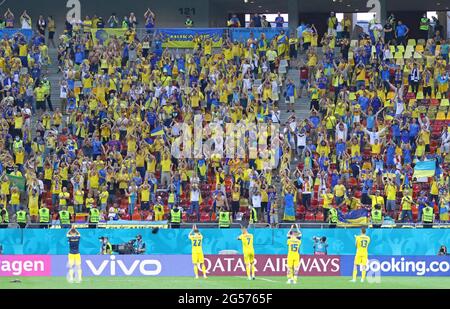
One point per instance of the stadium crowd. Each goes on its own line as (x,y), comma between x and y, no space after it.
(105,154)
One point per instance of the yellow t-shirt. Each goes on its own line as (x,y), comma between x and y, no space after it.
(63,197)
(15,198)
(391,192)
(339,190)
(166,165)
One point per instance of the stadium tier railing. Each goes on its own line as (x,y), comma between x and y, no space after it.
(189,225)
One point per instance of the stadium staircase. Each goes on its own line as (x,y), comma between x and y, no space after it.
(301,105)
(54,77)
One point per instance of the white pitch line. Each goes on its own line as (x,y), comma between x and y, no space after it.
(268,280)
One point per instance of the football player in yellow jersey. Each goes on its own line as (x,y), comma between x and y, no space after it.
(74,263)
(361,258)
(249,253)
(197,251)
(293,258)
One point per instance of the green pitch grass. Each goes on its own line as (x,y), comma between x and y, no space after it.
(222,283)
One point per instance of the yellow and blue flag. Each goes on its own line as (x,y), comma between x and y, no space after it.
(157,132)
(358,217)
(425,169)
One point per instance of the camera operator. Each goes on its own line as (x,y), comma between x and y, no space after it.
(106,246)
(138,245)
(320,245)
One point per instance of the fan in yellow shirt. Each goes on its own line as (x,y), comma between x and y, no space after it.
(249,253)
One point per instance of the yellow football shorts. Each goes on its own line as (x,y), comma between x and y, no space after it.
(74,259)
(197,258)
(361,260)
(249,258)
(293,261)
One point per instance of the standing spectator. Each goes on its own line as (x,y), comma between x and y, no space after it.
(414,78)
(256,21)
(347,27)
(339,192)
(113,22)
(424,26)
(47,92)
(300,30)
(149,19)
(388,32)
(25,20)
(235,200)
(437,27)
(279,21)
(100,24)
(195,201)
(4,217)
(175,217)
(9,19)
(304,75)
(332,24)
(406,203)
(256,203)
(234,22)
(51,30)
(132,20)
(401,32)
(41,25)
(391,196)
(265,23)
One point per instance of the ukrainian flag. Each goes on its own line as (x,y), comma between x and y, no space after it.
(425,168)
(358,217)
(157,132)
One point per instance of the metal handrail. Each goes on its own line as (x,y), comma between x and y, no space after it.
(320,225)
(384,226)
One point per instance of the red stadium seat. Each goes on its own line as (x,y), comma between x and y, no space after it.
(415,212)
(319,216)
(136,216)
(309,216)
(205,217)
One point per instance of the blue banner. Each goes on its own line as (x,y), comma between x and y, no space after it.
(10,33)
(183,38)
(127,265)
(242,34)
(379,266)
(266,241)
